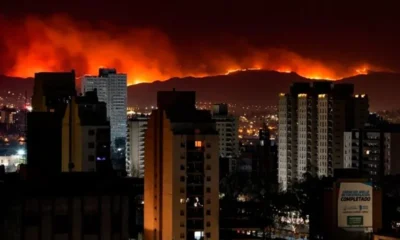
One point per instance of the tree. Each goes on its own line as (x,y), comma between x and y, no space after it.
(309,194)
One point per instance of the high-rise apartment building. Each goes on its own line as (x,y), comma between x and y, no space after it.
(373,151)
(86,135)
(227,127)
(112,89)
(137,127)
(182,171)
(51,94)
(312,120)
(52,91)
(66,133)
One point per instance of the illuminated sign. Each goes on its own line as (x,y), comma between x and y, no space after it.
(355,205)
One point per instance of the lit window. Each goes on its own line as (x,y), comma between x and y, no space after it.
(198,144)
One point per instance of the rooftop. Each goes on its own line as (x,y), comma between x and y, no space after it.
(72,184)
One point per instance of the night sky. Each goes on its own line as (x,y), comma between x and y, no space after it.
(332,32)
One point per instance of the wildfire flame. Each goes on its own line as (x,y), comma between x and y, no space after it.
(362,70)
(61,44)
(230,71)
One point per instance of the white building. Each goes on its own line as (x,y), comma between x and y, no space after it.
(135,146)
(303,128)
(111,89)
(227,127)
(312,120)
(323,135)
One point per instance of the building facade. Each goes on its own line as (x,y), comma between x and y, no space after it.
(372,151)
(51,94)
(86,135)
(182,171)
(312,120)
(7,115)
(227,127)
(70,206)
(112,89)
(137,127)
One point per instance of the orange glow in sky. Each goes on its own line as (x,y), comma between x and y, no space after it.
(145,55)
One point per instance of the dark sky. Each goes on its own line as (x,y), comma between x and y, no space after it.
(324,29)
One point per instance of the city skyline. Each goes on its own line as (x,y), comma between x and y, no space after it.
(210,120)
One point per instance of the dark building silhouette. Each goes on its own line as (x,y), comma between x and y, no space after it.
(259,158)
(182,100)
(224,169)
(262,165)
(66,132)
(70,206)
(266,163)
(90,135)
(44,142)
(220,109)
(52,91)
(51,94)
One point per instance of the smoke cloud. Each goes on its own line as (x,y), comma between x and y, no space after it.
(59,43)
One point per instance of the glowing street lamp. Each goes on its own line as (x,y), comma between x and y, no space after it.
(21,152)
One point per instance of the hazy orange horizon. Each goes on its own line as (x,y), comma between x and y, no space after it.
(145,55)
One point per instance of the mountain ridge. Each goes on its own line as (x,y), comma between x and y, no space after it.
(244,87)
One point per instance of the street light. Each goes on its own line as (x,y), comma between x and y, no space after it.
(21,152)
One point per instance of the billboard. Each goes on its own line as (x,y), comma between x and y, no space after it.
(355,205)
